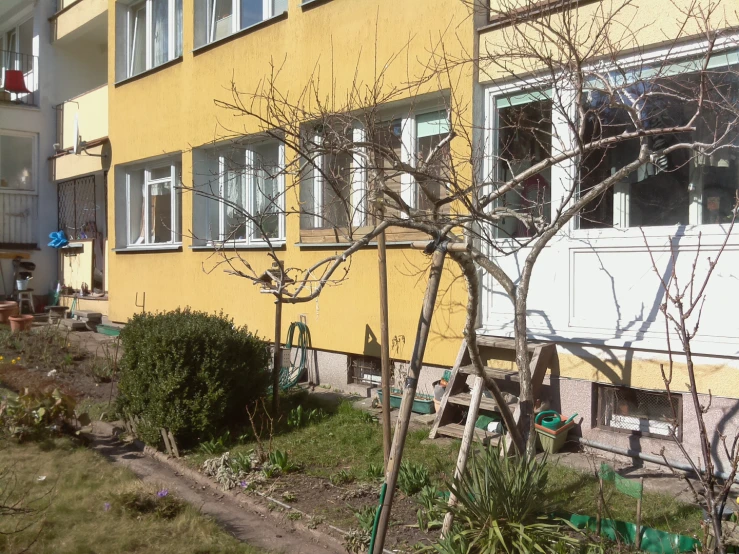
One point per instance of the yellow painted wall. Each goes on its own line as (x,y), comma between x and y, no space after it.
(77,15)
(172,109)
(91,109)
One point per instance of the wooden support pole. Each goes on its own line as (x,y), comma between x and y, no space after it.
(409,393)
(276,369)
(464,450)
(638,513)
(599,515)
(384,347)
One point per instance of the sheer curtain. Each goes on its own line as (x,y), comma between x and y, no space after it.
(160,28)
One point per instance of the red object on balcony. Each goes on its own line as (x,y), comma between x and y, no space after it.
(14,81)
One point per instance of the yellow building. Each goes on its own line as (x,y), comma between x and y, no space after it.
(173,66)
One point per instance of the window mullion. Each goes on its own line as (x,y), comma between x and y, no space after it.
(235,15)
(173,204)
(318,186)
(147,206)
(408,156)
(249,195)
(171,33)
(128,210)
(358,180)
(221,199)
(267,9)
(281,190)
(149,34)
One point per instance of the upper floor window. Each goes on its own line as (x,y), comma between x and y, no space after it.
(17,155)
(216,19)
(151,206)
(239,194)
(153,34)
(16,56)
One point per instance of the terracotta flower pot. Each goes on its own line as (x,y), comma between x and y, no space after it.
(20,323)
(7,309)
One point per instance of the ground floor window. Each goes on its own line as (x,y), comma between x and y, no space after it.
(365,370)
(632,410)
(17,152)
(153,204)
(239,193)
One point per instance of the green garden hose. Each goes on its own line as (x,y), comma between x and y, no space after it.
(291,374)
(383,490)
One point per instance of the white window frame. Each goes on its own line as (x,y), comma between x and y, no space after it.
(175,206)
(34,163)
(408,187)
(268,12)
(172,26)
(562,173)
(250,200)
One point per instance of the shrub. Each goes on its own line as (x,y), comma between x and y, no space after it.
(189,372)
(503,507)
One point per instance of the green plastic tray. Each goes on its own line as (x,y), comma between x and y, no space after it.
(108,330)
(420,406)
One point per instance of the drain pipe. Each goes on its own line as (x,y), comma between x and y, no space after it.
(648,458)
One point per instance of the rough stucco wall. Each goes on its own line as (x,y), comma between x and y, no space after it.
(173,109)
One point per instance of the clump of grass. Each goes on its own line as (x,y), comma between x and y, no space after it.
(342,477)
(412,478)
(366,516)
(140,501)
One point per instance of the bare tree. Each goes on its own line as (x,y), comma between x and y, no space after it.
(682,307)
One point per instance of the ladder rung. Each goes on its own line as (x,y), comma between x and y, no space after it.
(464,399)
(492,372)
(503,343)
(457,431)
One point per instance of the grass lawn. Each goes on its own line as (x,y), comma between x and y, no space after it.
(350,440)
(73,516)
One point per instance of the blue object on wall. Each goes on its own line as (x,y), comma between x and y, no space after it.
(58,239)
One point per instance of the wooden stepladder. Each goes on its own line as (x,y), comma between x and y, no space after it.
(456,399)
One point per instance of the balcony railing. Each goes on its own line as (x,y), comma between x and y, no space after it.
(18,78)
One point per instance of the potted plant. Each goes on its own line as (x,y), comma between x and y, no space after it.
(7,308)
(20,323)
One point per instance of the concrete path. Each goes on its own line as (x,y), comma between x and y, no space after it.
(243,520)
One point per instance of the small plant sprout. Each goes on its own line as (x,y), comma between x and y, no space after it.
(342,477)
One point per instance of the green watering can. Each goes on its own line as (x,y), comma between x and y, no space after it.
(553,421)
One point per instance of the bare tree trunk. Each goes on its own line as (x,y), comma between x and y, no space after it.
(384,347)
(277,361)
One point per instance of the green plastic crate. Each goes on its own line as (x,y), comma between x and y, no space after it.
(420,406)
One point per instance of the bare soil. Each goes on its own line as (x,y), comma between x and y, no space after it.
(337,503)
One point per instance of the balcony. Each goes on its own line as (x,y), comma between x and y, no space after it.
(18,78)
(88,114)
(80,19)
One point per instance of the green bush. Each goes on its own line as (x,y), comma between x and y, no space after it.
(189,372)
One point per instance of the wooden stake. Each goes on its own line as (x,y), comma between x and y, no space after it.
(464,450)
(409,393)
(277,367)
(638,513)
(384,346)
(599,515)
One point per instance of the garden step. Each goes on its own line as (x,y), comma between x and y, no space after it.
(74,324)
(84,314)
(502,374)
(457,431)
(464,399)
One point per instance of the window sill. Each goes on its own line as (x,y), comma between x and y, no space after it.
(149,248)
(309,4)
(148,72)
(538,9)
(277,245)
(243,32)
(329,237)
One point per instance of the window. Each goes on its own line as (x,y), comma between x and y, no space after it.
(216,19)
(240,194)
(673,188)
(335,182)
(524,137)
(631,410)
(153,205)
(17,155)
(154,34)
(365,370)
(17,54)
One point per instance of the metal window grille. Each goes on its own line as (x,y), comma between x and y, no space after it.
(641,412)
(365,370)
(77,208)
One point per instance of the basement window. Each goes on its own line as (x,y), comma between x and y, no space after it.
(365,370)
(641,412)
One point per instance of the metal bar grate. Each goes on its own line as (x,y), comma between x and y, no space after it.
(77,208)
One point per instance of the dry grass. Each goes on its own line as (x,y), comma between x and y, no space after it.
(74,517)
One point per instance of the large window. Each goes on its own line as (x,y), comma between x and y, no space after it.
(335,183)
(216,19)
(524,131)
(673,188)
(638,411)
(17,153)
(153,204)
(154,34)
(239,195)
